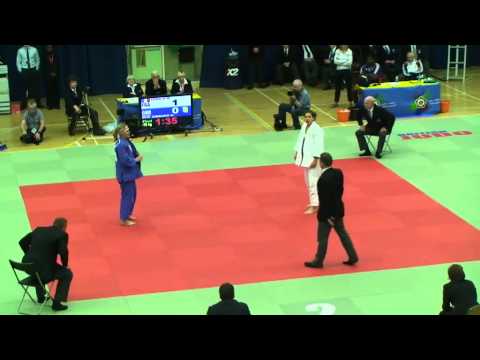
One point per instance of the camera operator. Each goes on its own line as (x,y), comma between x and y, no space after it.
(299,103)
(74,107)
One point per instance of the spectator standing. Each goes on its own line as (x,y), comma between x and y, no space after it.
(28,65)
(309,65)
(389,58)
(256,58)
(51,74)
(328,66)
(286,69)
(343,74)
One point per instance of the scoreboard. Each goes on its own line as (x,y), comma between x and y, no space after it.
(166,112)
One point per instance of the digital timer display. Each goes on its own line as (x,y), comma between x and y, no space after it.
(166,112)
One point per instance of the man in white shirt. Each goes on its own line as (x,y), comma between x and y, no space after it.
(309,146)
(309,65)
(28,65)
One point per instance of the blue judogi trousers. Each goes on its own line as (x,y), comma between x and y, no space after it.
(128,198)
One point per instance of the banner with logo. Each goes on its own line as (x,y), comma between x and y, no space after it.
(407,101)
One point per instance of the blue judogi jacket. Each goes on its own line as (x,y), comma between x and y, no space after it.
(127,169)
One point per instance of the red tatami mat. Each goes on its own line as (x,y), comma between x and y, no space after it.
(243,225)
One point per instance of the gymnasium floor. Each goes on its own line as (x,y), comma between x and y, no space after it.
(228,206)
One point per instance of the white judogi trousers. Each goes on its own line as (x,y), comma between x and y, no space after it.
(311,180)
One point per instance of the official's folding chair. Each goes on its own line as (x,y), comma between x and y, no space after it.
(30,281)
(386,147)
(83,120)
(474,310)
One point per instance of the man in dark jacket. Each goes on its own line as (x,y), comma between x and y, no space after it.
(379,123)
(75,107)
(52,72)
(286,68)
(256,58)
(41,247)
(331,213)
(389,58)
(326,55)
(228,305)
(459,295)
(156,86)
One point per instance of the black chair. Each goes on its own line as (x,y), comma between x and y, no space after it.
(387,139)
(82,120)
(29,281)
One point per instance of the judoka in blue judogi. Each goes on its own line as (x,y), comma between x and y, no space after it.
(127,171)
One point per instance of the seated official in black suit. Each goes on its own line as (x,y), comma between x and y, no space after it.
(74,108)
(132,89)
(379,123)
(228,305)
(156,86)
(287,68)
(41,247)
(181,85)
(459,295)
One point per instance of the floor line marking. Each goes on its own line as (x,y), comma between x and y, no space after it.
(107,108)
(251,113)
(267,97)
(462,92)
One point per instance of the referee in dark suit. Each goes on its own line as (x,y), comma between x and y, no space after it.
(41,247)
(331,213)
(228,305)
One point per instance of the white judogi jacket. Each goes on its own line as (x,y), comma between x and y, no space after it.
(309,144)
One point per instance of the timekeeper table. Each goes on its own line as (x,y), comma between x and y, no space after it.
(405,98)
(131,108)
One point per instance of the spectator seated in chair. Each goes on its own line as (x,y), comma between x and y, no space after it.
(412,69)
(370,72)
(379,123)
(299,104)
(75,107)
(33,124)
(181,85)
(459,295)
(132,88)
(156,86)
